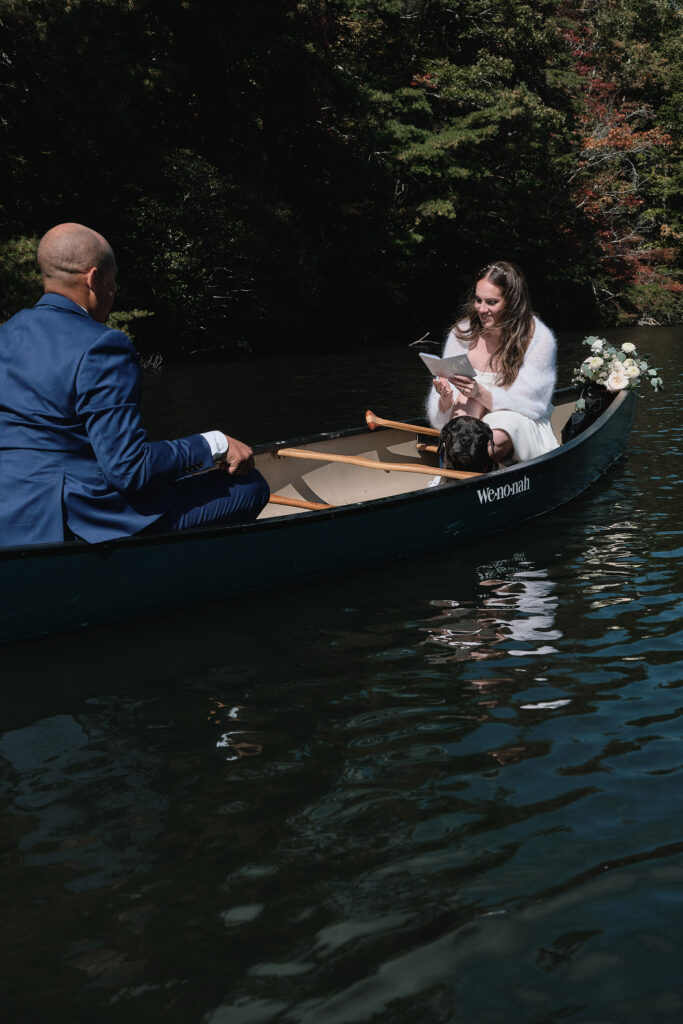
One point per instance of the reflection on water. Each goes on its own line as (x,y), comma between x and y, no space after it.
(232,741)
(514,615)
(443,790)
(69,770)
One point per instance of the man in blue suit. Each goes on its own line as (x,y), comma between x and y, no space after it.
(74,458)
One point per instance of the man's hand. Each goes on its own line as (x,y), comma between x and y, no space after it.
(238,459)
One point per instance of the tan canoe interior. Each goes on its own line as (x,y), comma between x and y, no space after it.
(335,483)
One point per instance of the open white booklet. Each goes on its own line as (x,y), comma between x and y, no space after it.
(448,367)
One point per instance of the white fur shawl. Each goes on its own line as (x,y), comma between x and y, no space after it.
(532,391)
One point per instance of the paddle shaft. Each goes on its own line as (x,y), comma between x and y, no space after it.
(377,421)
(358,460)
(280,499)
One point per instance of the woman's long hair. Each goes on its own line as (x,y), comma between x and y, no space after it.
(517,327)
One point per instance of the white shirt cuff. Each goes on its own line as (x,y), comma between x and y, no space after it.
(218,443)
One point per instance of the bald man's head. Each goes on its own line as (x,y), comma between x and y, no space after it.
(71,249)
(79,263)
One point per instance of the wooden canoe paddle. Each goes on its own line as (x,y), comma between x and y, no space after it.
(377,421)
(314,506)
(358,460)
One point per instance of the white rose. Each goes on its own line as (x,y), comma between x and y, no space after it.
(597,345)
(627,347)
(616,381)
(594,362)
(632,371)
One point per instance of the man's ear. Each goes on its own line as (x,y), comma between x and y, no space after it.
(91,278)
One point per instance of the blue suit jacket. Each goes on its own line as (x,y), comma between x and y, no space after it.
(72,448)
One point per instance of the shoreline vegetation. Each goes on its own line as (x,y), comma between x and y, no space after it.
(319,173)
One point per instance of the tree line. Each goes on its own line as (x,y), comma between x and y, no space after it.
(330,172)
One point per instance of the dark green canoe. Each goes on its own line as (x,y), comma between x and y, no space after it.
(377,516)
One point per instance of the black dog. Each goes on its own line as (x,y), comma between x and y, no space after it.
(465,444)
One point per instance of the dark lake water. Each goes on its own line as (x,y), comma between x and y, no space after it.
(447,789)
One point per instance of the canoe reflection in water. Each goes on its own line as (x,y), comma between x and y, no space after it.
(516,620)
(519,611)
(232,740)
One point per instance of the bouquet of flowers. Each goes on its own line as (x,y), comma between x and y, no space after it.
(613,369)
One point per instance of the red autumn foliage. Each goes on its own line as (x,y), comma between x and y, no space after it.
(610,175)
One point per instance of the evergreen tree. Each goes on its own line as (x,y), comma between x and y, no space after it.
(334,170)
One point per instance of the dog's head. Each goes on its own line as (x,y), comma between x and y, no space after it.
(465,445)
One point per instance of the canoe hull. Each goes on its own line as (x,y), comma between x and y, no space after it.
(52,588)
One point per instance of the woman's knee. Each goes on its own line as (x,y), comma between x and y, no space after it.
(502,447)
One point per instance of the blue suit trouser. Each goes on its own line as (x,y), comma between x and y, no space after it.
(214,498)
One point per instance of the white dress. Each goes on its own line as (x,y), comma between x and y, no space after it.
(530,438)
(523,409)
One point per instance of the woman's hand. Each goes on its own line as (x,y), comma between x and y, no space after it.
(467,386)
(445,392)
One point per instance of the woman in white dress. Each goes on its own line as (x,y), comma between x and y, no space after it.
(514,356)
